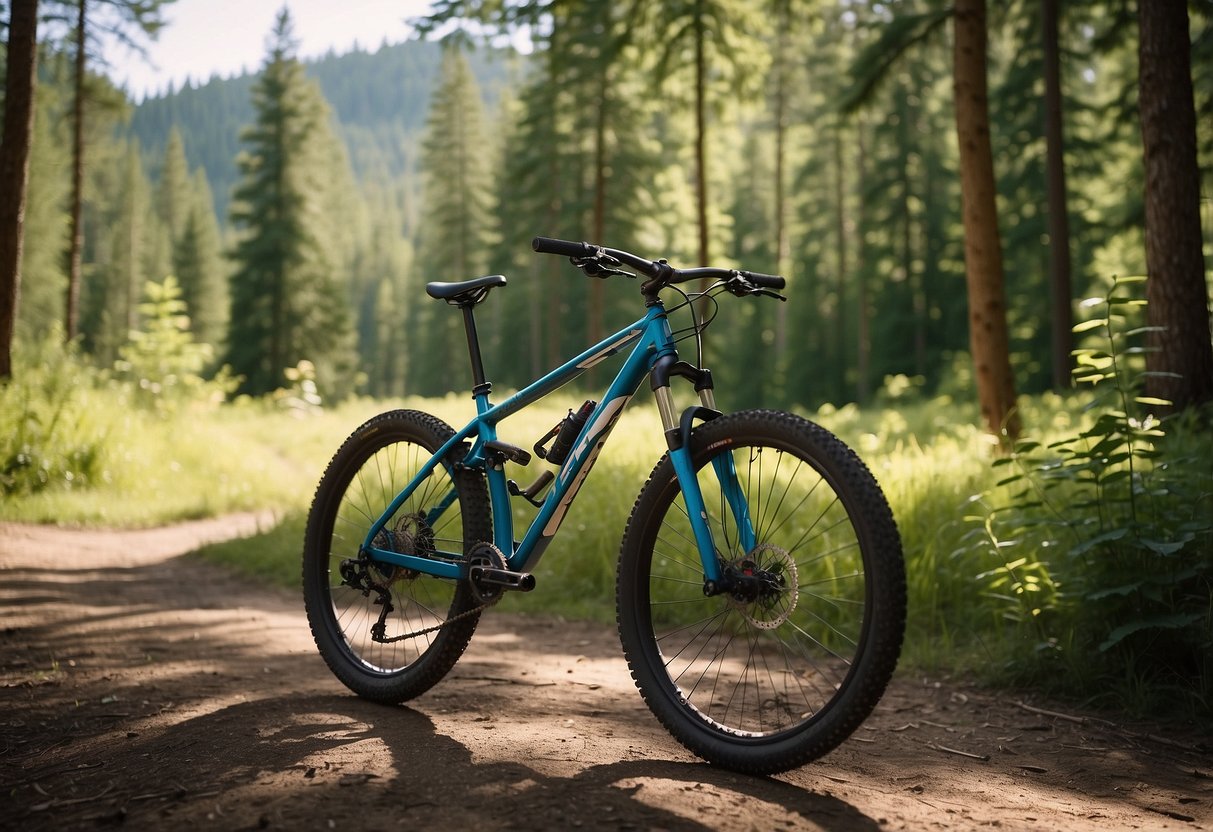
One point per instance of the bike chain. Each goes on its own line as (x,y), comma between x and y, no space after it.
(428,630)
(384,600)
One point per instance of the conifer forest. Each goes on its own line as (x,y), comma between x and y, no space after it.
(303,208)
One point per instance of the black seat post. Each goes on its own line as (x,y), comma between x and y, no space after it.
(469,324)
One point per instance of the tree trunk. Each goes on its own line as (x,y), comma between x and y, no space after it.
(76,235)
(782,246)
(20,82)
(1180,358)
(598,222)
(1059,222)
(701,172)
(988,338)
(863,326)
(840,254)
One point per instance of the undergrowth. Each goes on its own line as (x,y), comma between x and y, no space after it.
(1082,566)
(1099,543)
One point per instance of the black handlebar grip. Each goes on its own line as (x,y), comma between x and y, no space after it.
(766,281)
(547,245)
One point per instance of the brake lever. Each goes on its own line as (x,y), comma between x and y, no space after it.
(594,266)
(741,287)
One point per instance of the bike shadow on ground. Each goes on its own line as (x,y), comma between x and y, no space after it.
(329,761)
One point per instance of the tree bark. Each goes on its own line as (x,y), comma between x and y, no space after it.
(20,83)
(1180,358)
(988,337)
(598,221)
(1059,222)
(863,326)
(840,255)
(701,172)
(76,234)
(780,118)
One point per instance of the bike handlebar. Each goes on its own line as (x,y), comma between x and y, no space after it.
(548,245)
(656,270)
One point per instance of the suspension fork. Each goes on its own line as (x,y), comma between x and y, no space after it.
(678,436)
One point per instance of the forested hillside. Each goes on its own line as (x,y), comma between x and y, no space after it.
(379,101)
(812,139)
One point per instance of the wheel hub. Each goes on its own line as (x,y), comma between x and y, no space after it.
(763,586)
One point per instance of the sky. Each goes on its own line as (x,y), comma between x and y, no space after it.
(226,37)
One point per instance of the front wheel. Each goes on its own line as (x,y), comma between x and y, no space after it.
(788,660)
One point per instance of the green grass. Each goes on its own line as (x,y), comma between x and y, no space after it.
(140,468)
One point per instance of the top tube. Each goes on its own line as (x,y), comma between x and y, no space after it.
(571,369)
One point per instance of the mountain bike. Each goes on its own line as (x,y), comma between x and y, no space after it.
(760,588)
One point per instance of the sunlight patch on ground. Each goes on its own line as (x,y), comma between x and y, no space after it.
(712,805)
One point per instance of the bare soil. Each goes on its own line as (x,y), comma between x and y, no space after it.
(144,688)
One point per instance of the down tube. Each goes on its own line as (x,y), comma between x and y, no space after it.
(588,445)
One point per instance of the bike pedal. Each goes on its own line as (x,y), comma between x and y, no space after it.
(532,490)
(520,581)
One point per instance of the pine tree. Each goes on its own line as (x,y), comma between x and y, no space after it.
(124,20)
(383,294)
(702,37)
(455,227)
(172,192)
(116,256)
(199,268)
(285,304)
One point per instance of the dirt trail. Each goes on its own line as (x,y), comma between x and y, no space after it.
(142,687)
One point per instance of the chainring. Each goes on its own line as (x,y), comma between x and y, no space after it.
(485,554)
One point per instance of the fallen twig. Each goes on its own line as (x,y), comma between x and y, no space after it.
(985,758)
(1170,814)
(1080,720)
(523,682)
(1111,726)
(56,803)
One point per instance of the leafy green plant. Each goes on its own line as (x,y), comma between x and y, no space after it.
(1104,542)
(48,437)
(162,362)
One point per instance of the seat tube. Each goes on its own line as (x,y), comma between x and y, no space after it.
(689,484)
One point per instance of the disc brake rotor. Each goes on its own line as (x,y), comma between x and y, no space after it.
(777,569)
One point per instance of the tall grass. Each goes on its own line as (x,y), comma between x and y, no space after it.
(989,589)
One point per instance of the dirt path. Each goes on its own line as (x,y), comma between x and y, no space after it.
(142,687)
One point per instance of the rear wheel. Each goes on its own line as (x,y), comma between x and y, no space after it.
(788,661)
(344,591)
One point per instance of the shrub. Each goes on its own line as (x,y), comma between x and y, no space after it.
(1103,549)
(48,436)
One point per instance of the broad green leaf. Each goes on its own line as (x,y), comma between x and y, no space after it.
(1107,537)
(1165,622)
(1110,592)
(1164,548)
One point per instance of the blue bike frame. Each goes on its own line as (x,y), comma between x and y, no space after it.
(653,341)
